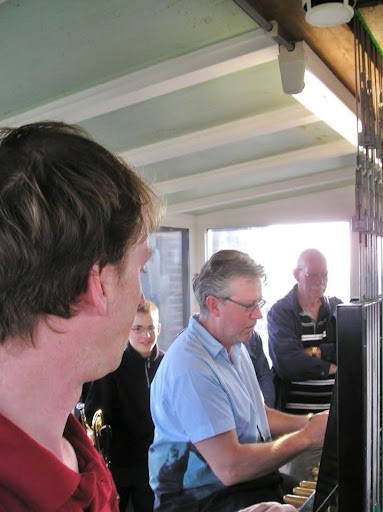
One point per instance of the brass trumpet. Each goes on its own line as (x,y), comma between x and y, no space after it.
(99,433)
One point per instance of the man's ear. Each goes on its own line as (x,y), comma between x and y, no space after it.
(296,273)
(158,328)
(212,304)
(95,296)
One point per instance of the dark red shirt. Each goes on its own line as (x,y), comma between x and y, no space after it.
(33,479)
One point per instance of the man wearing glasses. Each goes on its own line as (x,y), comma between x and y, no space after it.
(216,446)
(301,328)
(123,396)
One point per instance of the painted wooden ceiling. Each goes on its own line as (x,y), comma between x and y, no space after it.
(189,92)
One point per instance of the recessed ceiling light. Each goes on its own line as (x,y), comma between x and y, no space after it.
(327,14)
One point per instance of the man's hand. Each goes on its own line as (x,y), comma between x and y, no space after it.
(333,368)
(316,429)
(269,507)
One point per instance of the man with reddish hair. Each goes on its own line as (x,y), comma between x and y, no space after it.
(74,223)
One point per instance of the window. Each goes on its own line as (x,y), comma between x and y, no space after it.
(277,248)
(166,282)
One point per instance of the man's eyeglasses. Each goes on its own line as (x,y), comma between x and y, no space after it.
(317,275)
(139,329)
(249,308)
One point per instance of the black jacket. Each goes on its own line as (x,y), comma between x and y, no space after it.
(262,369)
(290,362)
(124,397)
(285,343)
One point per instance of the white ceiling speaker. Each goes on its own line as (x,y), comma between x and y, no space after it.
(320,13)
(292,68)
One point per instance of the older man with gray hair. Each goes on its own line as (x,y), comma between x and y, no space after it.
(302,343)
(217,447)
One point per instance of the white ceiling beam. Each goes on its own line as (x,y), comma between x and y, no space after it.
(196,67)
(228,133)
(280,161)
(302,185)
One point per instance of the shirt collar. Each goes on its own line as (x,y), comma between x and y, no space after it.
(211,344)
(25,456)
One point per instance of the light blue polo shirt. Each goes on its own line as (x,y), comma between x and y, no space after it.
(198,393)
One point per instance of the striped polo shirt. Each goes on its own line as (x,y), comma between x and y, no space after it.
(310,395)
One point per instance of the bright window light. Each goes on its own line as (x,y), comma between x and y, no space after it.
(277,247)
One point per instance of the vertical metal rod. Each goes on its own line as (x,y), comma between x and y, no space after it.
(369,224)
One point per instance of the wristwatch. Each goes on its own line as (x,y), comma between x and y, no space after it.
(314,351)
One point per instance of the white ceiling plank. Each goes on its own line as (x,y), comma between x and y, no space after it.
(306,208)
(329,179)
(228,133)
(214,61)
(322,71)
(279,161)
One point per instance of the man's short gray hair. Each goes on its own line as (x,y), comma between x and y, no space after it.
(218,272)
